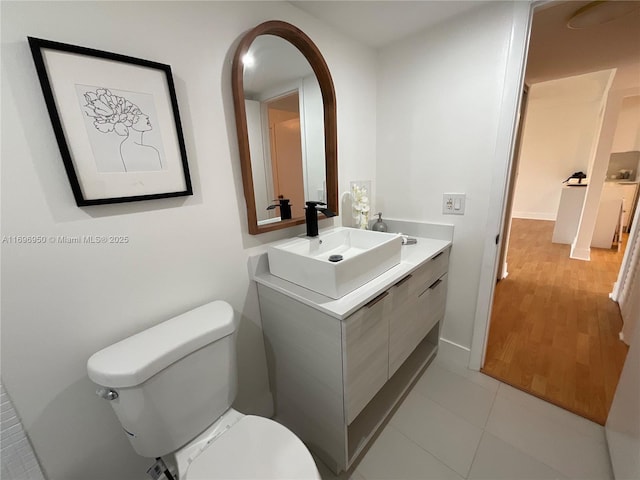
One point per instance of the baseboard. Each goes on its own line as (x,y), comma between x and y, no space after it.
(505,272)
(614,292)
(534,216)
(453,353)
(580,253)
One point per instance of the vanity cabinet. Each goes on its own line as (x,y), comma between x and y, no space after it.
(336,380)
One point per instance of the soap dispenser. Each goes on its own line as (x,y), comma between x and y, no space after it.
(379,226)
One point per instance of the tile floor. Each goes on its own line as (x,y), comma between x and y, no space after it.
(459,424)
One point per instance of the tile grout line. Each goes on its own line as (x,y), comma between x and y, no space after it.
(549,417)
(526,407)
(522,404)
(494,394)
(449,370)
(515,447)
(475,453)
(424,449)
(484,431)
(493,403)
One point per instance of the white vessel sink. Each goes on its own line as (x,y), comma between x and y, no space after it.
(305,260)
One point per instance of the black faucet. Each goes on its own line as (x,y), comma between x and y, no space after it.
(311,215)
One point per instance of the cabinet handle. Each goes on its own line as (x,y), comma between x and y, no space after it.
(403,280)
(437,255)
(435,284)
(377,299)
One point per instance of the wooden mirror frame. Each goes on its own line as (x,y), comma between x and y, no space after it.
(302,42)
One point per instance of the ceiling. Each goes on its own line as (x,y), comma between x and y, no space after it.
(555,51)
(379,23)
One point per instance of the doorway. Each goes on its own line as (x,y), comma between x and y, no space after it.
(553,329)
(286,150)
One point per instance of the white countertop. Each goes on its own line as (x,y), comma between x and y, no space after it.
(412,256)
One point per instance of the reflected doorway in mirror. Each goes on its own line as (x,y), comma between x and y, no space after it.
(286,150)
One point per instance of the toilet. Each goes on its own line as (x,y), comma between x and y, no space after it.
(172,387)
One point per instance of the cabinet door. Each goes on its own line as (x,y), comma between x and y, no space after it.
(365,354)
(431,306)
(402,319)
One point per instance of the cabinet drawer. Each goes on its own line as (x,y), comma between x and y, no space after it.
(431,271)
(366,353)
(431,306)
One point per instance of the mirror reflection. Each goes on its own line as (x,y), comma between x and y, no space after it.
(285,125)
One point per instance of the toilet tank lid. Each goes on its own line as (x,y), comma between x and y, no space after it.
(135,359)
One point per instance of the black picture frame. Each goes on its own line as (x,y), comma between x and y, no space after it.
(116,122)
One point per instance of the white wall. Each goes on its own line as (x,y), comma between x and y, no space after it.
(561,126)
(627,136)
(627,288)
(439,118)
(623,422)
(61,303)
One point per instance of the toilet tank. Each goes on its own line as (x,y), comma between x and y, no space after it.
(172,380)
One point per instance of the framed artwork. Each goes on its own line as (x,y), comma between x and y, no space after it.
(116,121)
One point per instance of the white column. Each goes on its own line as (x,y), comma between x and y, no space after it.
(581,247)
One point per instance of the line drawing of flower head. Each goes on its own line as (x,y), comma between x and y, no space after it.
(113,113)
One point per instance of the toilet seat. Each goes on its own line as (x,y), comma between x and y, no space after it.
(254,448)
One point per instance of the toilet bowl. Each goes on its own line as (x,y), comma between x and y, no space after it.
(250,448)
(172,386)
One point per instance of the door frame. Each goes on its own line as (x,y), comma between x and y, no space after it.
(518,49)
(503,177)
(513,179)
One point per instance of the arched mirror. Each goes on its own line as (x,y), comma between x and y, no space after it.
(286,122)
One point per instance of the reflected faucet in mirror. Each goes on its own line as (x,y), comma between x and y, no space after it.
(285,207)
(311,216)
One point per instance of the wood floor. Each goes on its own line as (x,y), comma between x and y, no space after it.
(554,330)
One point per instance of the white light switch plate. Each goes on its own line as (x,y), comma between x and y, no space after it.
(453,203)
